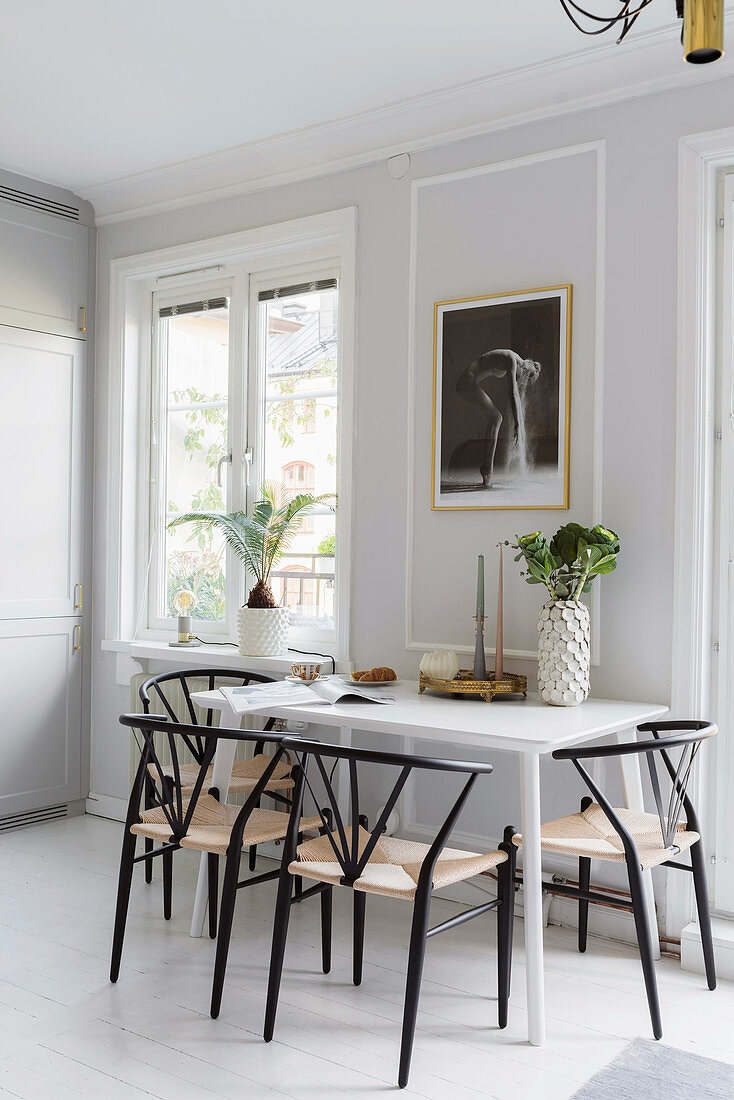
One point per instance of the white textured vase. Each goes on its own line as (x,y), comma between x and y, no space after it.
(563,652)
(263,631)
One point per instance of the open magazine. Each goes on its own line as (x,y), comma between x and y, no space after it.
(283,693)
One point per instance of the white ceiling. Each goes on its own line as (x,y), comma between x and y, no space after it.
(95,90)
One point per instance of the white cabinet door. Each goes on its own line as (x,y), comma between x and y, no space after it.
(43,272)
(41,473)
(41,713)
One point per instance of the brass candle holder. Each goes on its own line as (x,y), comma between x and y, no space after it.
(510,684)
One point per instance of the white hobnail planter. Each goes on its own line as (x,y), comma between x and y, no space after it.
(263,631)
(563,652)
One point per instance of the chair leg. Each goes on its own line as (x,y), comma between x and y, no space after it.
(584,884)
(277,953)
(213,878)
(123,899)
(252,858)
(149,796)
(360,907)
(167,858)
(704,916)
(644,939)
(505,924)
(416,954)
(326,907)
(226,916)
(298,881)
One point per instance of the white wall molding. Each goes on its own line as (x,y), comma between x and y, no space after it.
(599,149)
(691,955)
(585,79)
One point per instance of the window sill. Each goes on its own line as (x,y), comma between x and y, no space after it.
(212,656)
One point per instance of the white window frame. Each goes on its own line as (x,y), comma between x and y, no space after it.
(322,241)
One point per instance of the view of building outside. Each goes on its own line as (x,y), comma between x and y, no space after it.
(300,443)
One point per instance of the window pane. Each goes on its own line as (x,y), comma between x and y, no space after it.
(301,443)
(195,350)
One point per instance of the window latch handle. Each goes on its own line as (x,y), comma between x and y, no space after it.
(223,459)
(248,457)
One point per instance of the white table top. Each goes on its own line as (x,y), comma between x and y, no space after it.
(520,725)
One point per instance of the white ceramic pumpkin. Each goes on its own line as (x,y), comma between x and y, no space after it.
(440,664)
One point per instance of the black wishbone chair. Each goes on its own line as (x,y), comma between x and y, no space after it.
(171,692)
(641,840)
(191,816)
(370,862)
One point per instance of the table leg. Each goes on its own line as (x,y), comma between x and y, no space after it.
(533,897)
(632,781)
(222,773)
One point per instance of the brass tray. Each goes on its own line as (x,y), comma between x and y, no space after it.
(465,684)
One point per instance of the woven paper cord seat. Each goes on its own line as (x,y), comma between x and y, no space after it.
(245,774)
(212,823)
(590,834)
(393,867)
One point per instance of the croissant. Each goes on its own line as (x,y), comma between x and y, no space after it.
(375,675)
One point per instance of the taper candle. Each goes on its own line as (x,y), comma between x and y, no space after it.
(480,586)
(499,656)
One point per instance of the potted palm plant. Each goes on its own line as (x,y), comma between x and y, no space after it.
(260,540)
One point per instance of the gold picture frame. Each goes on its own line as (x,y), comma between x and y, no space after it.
(518,398)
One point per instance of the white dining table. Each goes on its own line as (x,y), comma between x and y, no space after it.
(528,727)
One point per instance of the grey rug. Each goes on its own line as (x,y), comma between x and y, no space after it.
(655,1072)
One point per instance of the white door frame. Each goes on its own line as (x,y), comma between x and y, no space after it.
(701,159)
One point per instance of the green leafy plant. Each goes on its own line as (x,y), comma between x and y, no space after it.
(260,540)
(569,564)
(327,546)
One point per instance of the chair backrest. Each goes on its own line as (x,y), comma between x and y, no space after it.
(351,841)
(182,678)
(167,793)
(669,777)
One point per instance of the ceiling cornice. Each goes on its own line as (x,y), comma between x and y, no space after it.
(589,78)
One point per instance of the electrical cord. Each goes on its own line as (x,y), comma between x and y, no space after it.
(303,652)
(313,653)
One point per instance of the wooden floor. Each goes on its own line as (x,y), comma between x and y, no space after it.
(66,1032)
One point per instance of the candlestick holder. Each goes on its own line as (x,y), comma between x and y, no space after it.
(511,685)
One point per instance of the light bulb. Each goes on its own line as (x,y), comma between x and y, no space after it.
(184,601)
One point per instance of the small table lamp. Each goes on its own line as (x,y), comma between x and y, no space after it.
(184,602)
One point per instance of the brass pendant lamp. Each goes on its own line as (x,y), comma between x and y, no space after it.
(703,24)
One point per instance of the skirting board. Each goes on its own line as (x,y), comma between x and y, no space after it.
(105,805)
(691,955)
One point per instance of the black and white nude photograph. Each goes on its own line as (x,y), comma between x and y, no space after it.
(501,400)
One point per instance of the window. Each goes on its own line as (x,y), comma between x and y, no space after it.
(226,421)
(316,255)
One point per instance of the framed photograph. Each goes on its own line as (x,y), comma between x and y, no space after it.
(502,400)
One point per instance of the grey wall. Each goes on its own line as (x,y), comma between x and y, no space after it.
(497,232)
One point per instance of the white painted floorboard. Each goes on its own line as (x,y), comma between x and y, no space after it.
(66,1032)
